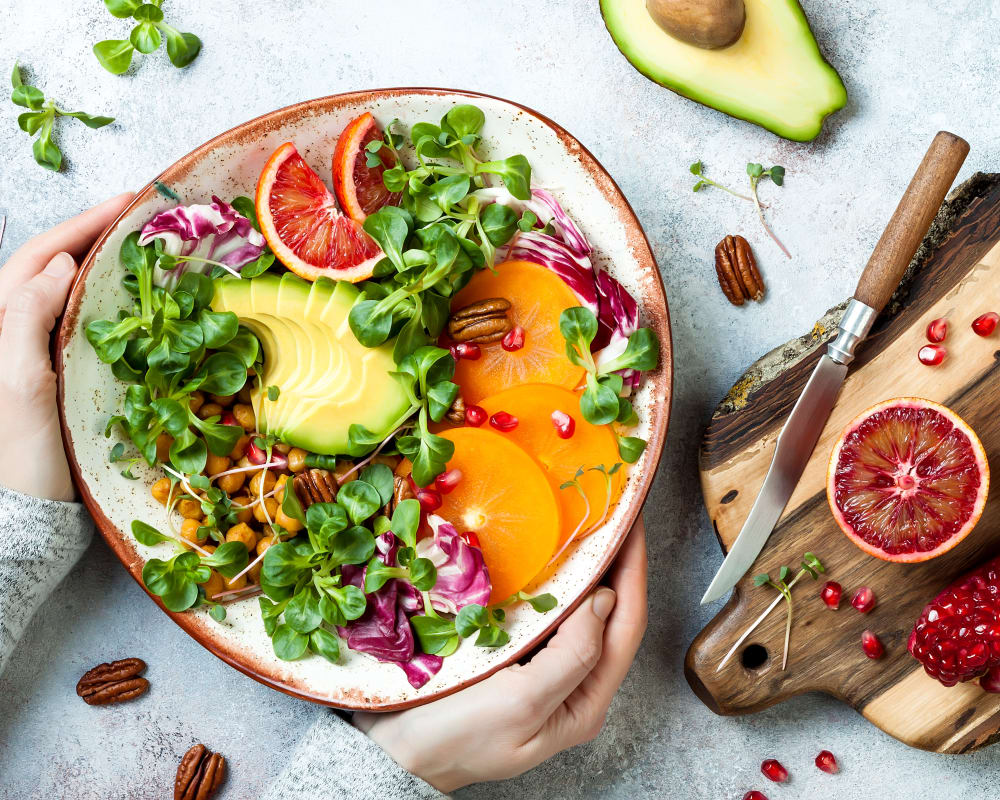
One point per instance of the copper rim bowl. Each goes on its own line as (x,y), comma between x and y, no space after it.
(227,166)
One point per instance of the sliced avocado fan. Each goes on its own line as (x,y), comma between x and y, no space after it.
(773,75)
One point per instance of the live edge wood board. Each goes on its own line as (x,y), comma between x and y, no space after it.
(956,274)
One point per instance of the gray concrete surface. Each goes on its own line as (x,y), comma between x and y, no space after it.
(911,68)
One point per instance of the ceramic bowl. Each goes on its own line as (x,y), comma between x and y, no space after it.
(228,166)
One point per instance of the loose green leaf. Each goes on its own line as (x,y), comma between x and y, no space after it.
(147,534)
(115,55)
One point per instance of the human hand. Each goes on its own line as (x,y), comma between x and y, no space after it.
(34,284)
(522,715)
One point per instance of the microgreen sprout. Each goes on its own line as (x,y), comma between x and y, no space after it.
(40,118)
(115,55)
(757,173)
(810,566)
(574,483)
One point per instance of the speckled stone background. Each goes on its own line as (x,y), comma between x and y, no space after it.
(910,68)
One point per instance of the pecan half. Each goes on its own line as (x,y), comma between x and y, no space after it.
(456,413)
(113,683)
(402,490)
(199,774)
(482,321)
(737,270)
(315,486)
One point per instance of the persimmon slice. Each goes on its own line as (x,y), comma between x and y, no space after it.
(589,446)
(505,498)
(537,296)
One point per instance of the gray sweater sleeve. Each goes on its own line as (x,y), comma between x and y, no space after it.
(40,541)
(335,759)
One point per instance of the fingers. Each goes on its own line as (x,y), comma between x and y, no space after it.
(73,236)
(31,314)
(549,678)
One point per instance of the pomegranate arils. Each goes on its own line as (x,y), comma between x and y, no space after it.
(937,330)
(429,500)
(985,324)
(827,762)
(502,421)
(863,600)
(872,645)
(447,480)
(991,680)
(957,637)
(830,593)
(475,416)
(565,424)
(513,340)
(228,418)
(774,770)
(468,350)
(255,454)
(471,539)
(931,355)
(754,795)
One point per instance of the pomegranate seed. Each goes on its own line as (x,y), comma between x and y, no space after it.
(565,424)
(931,354)
(228,418)
(831,594)
(754,795)
(937,330)
(447,480)
(863,600)
(471,539)
(827,762)
(774,770)
(475,416)
(513,340)
(255,455)
(872,645)
(991,680)
(502,421)
(986,324)
(468,350)
(429,500)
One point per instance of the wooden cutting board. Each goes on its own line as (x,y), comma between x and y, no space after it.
(956,274)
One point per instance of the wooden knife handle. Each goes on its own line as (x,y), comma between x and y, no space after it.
(911,220)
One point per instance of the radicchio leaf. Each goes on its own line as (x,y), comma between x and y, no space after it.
(462,577)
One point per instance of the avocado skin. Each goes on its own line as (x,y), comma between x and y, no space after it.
(827,80)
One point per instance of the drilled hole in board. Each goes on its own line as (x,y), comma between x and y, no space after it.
(754,656)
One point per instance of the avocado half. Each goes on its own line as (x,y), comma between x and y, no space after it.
(773,75)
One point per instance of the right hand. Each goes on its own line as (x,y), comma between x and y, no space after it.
(519,717)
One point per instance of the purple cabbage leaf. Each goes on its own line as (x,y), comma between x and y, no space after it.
(462,577)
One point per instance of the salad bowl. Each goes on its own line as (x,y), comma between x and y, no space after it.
(228,166)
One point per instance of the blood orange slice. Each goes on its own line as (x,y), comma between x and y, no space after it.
(359,187)
(908,480)
(302,224)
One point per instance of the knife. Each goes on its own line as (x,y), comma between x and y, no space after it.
(892,254)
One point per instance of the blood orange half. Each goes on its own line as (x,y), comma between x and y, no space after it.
(302,224)
(907,480)
(359,187)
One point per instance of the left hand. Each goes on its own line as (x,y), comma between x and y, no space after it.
(34,285)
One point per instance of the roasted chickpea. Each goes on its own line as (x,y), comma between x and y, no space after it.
(239,448)
(224,400)
(189,509)
(189,531)
(390,461)
(216,464)
(245,395)
(241,532)
(235,583)
(161,490)
(342,468)
(405,467)
(231,483)
(263,543)
(272,510)
(268,479)
(209,410)
(196,400)
(297,459)
(279,488)
(286,522)
(253,574)
(163,442)
(282,448)
(214,585)
(243,514)
(245,416)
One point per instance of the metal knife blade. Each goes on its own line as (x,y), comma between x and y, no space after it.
(795,445)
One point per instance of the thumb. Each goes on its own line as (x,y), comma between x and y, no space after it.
(31,314)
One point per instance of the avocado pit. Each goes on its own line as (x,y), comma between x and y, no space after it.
(708,24)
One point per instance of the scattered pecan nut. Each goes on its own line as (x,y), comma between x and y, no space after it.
(402,490)
(315,486)
(482,321)
(737,270)
(456,414)
(113,683)
(199,774)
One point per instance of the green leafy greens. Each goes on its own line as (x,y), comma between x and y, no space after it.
(115,55)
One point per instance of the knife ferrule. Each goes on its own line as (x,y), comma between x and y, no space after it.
(857,321)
